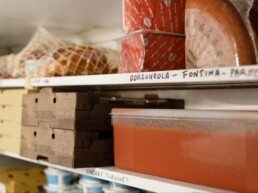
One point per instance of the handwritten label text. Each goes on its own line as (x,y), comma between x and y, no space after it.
(149,76)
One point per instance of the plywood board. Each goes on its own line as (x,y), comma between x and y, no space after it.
(10,136)
(11,113)
(22,181)
(65,110)
(9,128)
(12,97)
(65,147)
(11,144)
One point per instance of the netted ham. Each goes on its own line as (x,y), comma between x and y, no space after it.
(42,43)
(76,60)
(7,64)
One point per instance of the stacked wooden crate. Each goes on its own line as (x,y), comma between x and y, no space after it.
(10,119)
(73,129)
(66,128)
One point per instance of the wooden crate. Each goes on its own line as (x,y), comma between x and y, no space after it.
(23,181)
(71,110)
(11,113)
(68,148)
(50,130)
(77,111)
(12,97)
(10,119)
(71,129)
(10,136)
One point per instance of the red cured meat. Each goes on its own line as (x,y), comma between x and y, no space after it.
(146,51)
(159,15)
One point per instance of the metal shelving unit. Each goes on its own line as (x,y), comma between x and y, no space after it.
(12,83)
(210,77)
(231,77)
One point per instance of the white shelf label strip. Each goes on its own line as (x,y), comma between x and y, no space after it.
(193,76)
(201,76)
(148,182)
(12,83)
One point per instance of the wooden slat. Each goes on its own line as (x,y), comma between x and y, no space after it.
(39,143)
(98,146)
(9,128)
(94,160)
(10,143)
(85,101)
(74,111)
(12,97)
(10,113)
(21,181)
(35,137)
(87,139)
(55,108)
(99,154)
(60,103)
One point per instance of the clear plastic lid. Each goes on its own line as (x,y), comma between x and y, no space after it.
(59,189)
(193,114)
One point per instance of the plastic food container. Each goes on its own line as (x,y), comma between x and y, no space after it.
(90,180)
(150,51)
(92,185)
(55,189)
(90,188)
(110,190)
(159,15)
(57,177)
(2,188)
(214,148)
(118,186)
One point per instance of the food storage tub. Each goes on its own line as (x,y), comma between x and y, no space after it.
(57,177)
(90,180)
(2,188)
(150,51)
(110,190)
(55,189)
(159,15)
(214,148)
(93,188)
(118,186)
(91,185)
(96,187)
